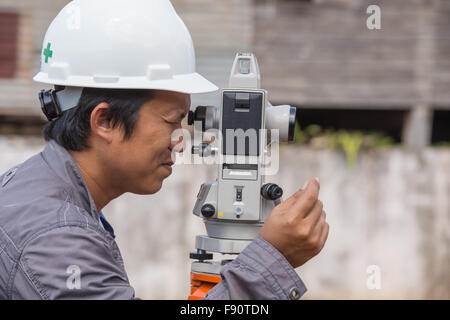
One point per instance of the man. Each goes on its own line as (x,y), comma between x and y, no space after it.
(112,115)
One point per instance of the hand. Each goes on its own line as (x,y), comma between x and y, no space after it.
(297,226)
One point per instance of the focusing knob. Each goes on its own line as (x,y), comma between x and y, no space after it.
(208,210)
(271,191)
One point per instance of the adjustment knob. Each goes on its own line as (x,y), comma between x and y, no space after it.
(208,210)
(271,191)
(201,255)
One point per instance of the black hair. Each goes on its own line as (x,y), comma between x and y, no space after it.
(72,129)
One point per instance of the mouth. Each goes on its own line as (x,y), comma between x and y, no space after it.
(168,166)
(169,163)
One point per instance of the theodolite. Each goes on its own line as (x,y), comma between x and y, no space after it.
(235,205)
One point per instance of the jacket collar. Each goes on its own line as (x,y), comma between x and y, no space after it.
(65,167)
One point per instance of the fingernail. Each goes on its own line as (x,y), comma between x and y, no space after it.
(317,179)
(305,185)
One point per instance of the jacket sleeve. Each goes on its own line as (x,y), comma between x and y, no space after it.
(260,272)
(70,262)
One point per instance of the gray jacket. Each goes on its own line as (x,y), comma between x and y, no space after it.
(53,245)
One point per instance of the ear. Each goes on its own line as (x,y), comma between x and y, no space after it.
(101,127)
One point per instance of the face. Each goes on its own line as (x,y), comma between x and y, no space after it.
(141,163)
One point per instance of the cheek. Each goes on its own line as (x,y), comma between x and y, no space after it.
(145,151)
(147,156)
(158,144)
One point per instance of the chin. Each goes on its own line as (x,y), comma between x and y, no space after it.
(151,188)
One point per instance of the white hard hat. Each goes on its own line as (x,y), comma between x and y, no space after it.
(121,44)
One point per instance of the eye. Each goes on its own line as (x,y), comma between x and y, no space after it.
(175,119)
(171,122)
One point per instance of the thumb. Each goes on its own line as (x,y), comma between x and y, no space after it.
(289,202)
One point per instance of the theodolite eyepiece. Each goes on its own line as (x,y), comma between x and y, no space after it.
(208,115)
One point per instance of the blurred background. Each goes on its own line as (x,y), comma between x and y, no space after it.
(373,123)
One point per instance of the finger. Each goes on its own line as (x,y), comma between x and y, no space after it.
(324,235)
(289,201)
(316,225)
(315,215)
(300,191)
(286,204)
(306,201)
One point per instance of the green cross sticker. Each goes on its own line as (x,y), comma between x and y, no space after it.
(48,53)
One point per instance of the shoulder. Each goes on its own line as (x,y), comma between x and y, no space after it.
(34,200)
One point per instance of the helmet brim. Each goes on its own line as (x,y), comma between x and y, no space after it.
(192,83)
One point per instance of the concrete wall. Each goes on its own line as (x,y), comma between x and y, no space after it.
(392,210)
